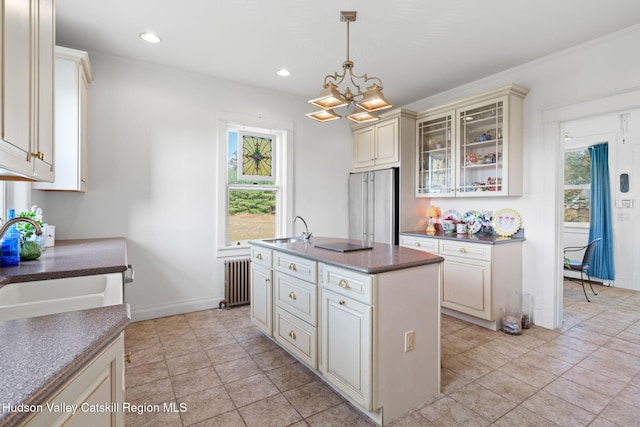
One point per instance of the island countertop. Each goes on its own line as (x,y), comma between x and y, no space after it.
(46,351)
(71,258)
(381,258)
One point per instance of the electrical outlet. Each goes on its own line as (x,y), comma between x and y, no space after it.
(409,341)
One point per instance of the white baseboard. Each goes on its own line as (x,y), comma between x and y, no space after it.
(171,309)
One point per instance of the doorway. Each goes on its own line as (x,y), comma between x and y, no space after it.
(614,130)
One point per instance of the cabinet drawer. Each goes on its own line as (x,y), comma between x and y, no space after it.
(300,338)
(297,297)
(420,243)
(348,283)
(302,268)
(261,256)
(466,250)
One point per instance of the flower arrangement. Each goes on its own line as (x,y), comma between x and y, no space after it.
(28,231)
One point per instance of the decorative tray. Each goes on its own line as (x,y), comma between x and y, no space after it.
(506,222)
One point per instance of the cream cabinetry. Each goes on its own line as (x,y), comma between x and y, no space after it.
(380,145)
(376,145)
(347,332)
(284,301)
(261,289)
(472,147)
(350,328)
(477,278)
(72,78)
(26,90)
(296,306)
(97,391)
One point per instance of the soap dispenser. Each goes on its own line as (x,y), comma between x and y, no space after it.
(10,253)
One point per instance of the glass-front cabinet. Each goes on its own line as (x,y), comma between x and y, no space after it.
(435,153)
(473,147)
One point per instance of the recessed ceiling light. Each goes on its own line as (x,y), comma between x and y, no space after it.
(283,72)
(150,37)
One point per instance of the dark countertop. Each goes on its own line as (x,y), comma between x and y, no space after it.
(475,238)
(46,351)
(71,258)
(380,259)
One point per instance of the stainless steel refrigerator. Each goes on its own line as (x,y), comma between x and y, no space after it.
(374,206)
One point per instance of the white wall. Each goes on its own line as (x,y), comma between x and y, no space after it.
(584,81)
(152,165)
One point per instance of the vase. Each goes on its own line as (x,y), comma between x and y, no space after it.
(30,250)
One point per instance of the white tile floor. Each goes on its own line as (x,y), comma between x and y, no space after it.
(228,374)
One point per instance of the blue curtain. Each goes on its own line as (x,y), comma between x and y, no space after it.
(600,217)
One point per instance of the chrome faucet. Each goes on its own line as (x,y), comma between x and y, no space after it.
(9,223)
(305,234)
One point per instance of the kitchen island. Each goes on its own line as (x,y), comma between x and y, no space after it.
(367,322)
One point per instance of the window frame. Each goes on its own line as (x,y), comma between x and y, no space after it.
(572,148)
(284,173)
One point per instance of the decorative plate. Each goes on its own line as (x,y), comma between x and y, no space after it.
(506,222)
(473,220)
(451,213)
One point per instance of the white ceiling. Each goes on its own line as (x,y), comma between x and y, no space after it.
(417,47)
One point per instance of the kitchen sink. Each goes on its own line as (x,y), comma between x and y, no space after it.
(285,240)
(38,298)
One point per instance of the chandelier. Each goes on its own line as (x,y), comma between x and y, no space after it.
(331,97)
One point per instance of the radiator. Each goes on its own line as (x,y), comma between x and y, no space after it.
(236,282)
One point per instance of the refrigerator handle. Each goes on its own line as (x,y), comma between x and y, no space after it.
(365,198)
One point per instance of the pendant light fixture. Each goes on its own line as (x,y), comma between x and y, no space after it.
(331,96)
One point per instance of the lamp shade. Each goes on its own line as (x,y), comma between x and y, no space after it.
(323,115)
(329,97)
(374,100)
(432,211)
(361,115)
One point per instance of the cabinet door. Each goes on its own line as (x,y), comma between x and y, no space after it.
(346,346)
(435,155)
(17,53)
(386,143)
(363,148)
(261,298)
(43,138)
(466,286)
(481,150)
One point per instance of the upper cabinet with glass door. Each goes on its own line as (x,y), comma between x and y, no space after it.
(436,176)
(482,155)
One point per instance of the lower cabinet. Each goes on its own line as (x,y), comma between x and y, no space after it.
(97,391)
(261,295)
(346,346)
(477,278)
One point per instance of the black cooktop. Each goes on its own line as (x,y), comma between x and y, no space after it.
(343,246)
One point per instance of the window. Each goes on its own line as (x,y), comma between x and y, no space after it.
(577,185)
(254,191)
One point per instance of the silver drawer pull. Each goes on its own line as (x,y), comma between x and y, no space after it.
(259,256)
(344,283)
(341,302)
(463,250)
(293,296)
(417,243)
(292,334)
(293,267)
